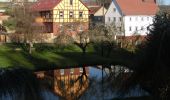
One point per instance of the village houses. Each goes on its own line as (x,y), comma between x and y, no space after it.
(56,13)
(132,17)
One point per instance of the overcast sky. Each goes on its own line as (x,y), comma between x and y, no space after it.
(167,2)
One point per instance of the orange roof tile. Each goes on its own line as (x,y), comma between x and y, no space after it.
(138,7)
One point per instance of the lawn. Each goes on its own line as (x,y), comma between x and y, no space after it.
(48,57)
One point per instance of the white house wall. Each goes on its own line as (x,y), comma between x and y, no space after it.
(137,23)
(112,14)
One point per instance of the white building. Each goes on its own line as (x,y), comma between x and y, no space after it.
(134,16)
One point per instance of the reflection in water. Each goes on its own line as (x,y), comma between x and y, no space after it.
(87,83)
(68,84)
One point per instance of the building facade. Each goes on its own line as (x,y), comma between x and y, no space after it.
(56,13)
(131,16)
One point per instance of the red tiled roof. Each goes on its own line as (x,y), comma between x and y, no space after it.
(43,5)
(93,10)
(137,7)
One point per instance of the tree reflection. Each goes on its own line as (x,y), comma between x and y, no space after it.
(69,84)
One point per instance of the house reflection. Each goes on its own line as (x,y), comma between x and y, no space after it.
(69,84)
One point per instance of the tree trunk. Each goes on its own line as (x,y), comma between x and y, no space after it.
(30,47)
(84,50)
(102,51)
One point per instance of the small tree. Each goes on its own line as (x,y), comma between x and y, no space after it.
(73,32)
(82,40)
(25,26)
(105,36)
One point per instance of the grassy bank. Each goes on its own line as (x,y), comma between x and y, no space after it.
(50,56)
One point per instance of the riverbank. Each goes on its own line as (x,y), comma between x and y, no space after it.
(46,57)
(136,98)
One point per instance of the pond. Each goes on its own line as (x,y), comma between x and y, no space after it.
(87,83)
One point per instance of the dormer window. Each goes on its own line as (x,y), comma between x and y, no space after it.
(114,9)
(71,2)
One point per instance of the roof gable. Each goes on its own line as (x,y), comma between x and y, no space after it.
(137,7)
(100,11)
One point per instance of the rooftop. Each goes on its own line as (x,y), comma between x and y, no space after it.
(138,7)
(43,5)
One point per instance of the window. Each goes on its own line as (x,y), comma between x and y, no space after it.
(81,70)
(114,19)
(142,19)
(120,18)
(130,18)
(114,9)
(80,14)
(130,28)
(109,19)
(136,28)
(61,14)
(47,15)
(119,29)
(71,71)
(98,18)
(142,28)
(61,71)
(71,2)
(147,18)
(71,14)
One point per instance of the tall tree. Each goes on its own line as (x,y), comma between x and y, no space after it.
(151,70)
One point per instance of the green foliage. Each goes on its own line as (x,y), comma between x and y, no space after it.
(151,70)
(8,11)
(10,23)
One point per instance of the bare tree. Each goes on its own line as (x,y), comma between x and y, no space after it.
(74,33)
(105,36)
(29,31)
(83,41)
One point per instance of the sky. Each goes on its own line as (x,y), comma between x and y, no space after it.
(167,2)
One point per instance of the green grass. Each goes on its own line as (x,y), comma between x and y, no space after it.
(47,57)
